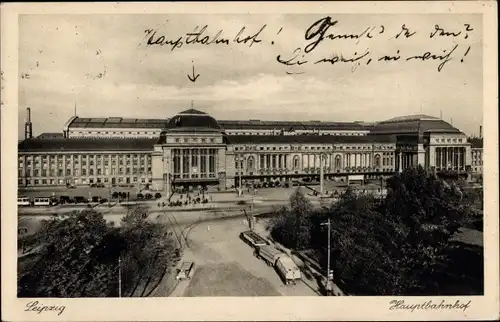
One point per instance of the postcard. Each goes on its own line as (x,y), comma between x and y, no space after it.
(250,161)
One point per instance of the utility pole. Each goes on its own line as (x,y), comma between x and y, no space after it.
(321,174)
(240,168)
(328,273)
(119,276)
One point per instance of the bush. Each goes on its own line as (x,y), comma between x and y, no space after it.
(157,195)
(140,196)
(115,195)
(148,196)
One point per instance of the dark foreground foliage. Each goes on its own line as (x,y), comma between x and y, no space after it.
(77,255)
(400,246)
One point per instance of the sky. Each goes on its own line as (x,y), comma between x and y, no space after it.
(103,65)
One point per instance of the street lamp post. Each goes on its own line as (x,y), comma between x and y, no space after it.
(321,174)
(328,273)
(240,169)
(119,276)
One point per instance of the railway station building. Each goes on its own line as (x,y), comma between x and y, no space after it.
(192,149)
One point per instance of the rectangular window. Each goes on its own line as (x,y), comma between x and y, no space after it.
(203,161)
(185,161)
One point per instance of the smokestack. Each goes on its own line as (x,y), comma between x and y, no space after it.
(28,128)
(480,131)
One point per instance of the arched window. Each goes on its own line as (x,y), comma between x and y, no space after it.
(296,162)
(250,162)
(337,162)
(377,160)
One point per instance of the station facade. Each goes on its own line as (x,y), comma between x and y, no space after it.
(192,149)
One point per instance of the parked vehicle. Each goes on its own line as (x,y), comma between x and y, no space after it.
(65,199)
(253,239)
(288,270)
(185,271)
(80,199)
(42,201)
(269,254)
(23,201)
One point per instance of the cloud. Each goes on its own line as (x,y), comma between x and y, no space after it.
(98,63)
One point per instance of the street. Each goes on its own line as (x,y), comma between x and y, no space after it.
(226,266)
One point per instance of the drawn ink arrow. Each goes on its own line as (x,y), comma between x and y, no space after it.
(193,79)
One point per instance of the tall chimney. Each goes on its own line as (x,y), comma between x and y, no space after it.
(28,128)
(480,131)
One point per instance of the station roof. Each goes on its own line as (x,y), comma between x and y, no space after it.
(201,119)
(86,144)
(117,122)
(292,125)
(47,135)
(414,124)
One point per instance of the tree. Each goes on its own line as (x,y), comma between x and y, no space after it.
(426,212)
(360,238)
(397,247)
(149,250)
(292,226)
(79,257)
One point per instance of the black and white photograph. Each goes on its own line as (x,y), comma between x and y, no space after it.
(184,154)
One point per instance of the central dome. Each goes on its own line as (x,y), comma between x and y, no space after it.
(193,120)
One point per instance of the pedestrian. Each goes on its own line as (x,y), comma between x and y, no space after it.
(208,228)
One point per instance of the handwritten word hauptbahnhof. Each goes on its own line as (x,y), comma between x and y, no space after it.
(194,149)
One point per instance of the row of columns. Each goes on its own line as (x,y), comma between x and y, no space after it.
(281,161)
(450,157)
(184,159)
(52,170)
(357,160)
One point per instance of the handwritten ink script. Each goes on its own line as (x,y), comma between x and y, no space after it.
(428,305)
(39,308)
(329,42)
(201,36)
